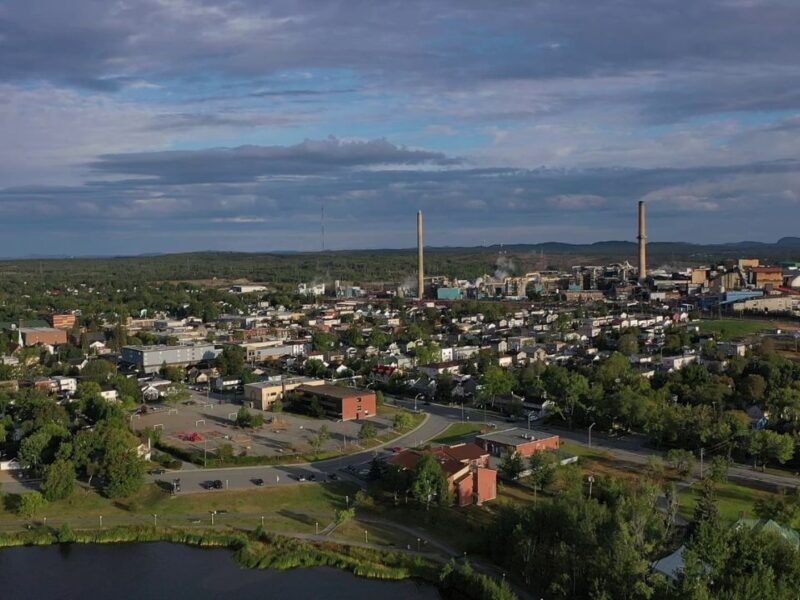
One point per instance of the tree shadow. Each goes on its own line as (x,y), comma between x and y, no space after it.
(11,502)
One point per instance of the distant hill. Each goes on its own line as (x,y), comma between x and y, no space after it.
(380,265)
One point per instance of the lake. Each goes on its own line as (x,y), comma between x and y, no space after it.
(162,570)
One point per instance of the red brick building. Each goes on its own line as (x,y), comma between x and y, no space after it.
(63,321)
(523,441)
(466,467)
(342,403)
(42,335)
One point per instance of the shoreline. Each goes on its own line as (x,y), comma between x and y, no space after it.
(260,549)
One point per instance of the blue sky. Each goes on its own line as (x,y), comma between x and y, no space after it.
(173,125)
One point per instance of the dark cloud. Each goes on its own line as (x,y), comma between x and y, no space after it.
(740,53)
(247,163)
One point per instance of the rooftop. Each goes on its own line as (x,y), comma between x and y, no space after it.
(287,381)
(333,391)
(165,347)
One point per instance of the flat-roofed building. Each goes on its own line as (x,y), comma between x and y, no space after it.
(31,336)
(340,402)
(63,321)
(263,394)
(764,276)
(523,441)
(149,359)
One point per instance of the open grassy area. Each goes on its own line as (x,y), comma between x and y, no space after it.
(733,500)
(291,508)
(458,432)
(731,329)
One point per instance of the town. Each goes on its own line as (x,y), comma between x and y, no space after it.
(464,395)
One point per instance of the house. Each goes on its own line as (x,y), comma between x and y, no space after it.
(522,441)
(674,363)
(65,385)
(109,394)
(342,403)
(153,389)
(383,373)
(436,369)
(466,467)
(201,376)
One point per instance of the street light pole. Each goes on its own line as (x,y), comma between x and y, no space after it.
(590,434)
(591,481)
(155,520)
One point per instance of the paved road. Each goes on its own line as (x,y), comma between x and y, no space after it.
(629,449)
(193,480)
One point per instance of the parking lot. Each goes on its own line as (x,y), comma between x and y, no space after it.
(205,424)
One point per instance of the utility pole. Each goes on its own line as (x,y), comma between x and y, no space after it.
(702,453)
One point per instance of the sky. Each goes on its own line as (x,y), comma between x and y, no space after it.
(140,126)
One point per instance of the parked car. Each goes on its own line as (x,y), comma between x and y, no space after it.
(157,471)
(258,481)
(217,484)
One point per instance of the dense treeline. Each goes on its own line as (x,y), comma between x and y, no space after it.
(602,547)
(88,439)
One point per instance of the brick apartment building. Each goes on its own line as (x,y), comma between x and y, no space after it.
(466,467)
(523,441)
(340,402)
(63,321)
(31,336)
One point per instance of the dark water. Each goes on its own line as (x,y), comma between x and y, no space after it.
(154,571)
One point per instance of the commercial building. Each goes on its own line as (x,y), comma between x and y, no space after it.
(273,350)
(63,321)
(340,402)
(764,276)
(30,336)
(466,467)
(522,441)
(449,293)
(149,359)
(263,394)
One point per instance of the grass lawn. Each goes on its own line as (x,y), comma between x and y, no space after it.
(733,500)
(458,432)
(291,508)
(729,329)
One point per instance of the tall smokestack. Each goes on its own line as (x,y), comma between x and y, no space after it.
(420,258)
(642,241)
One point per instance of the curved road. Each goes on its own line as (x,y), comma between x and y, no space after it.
(194,479)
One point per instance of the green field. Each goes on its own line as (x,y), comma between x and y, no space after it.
(734,501)
(291,508)
(732,329)
(458,432)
